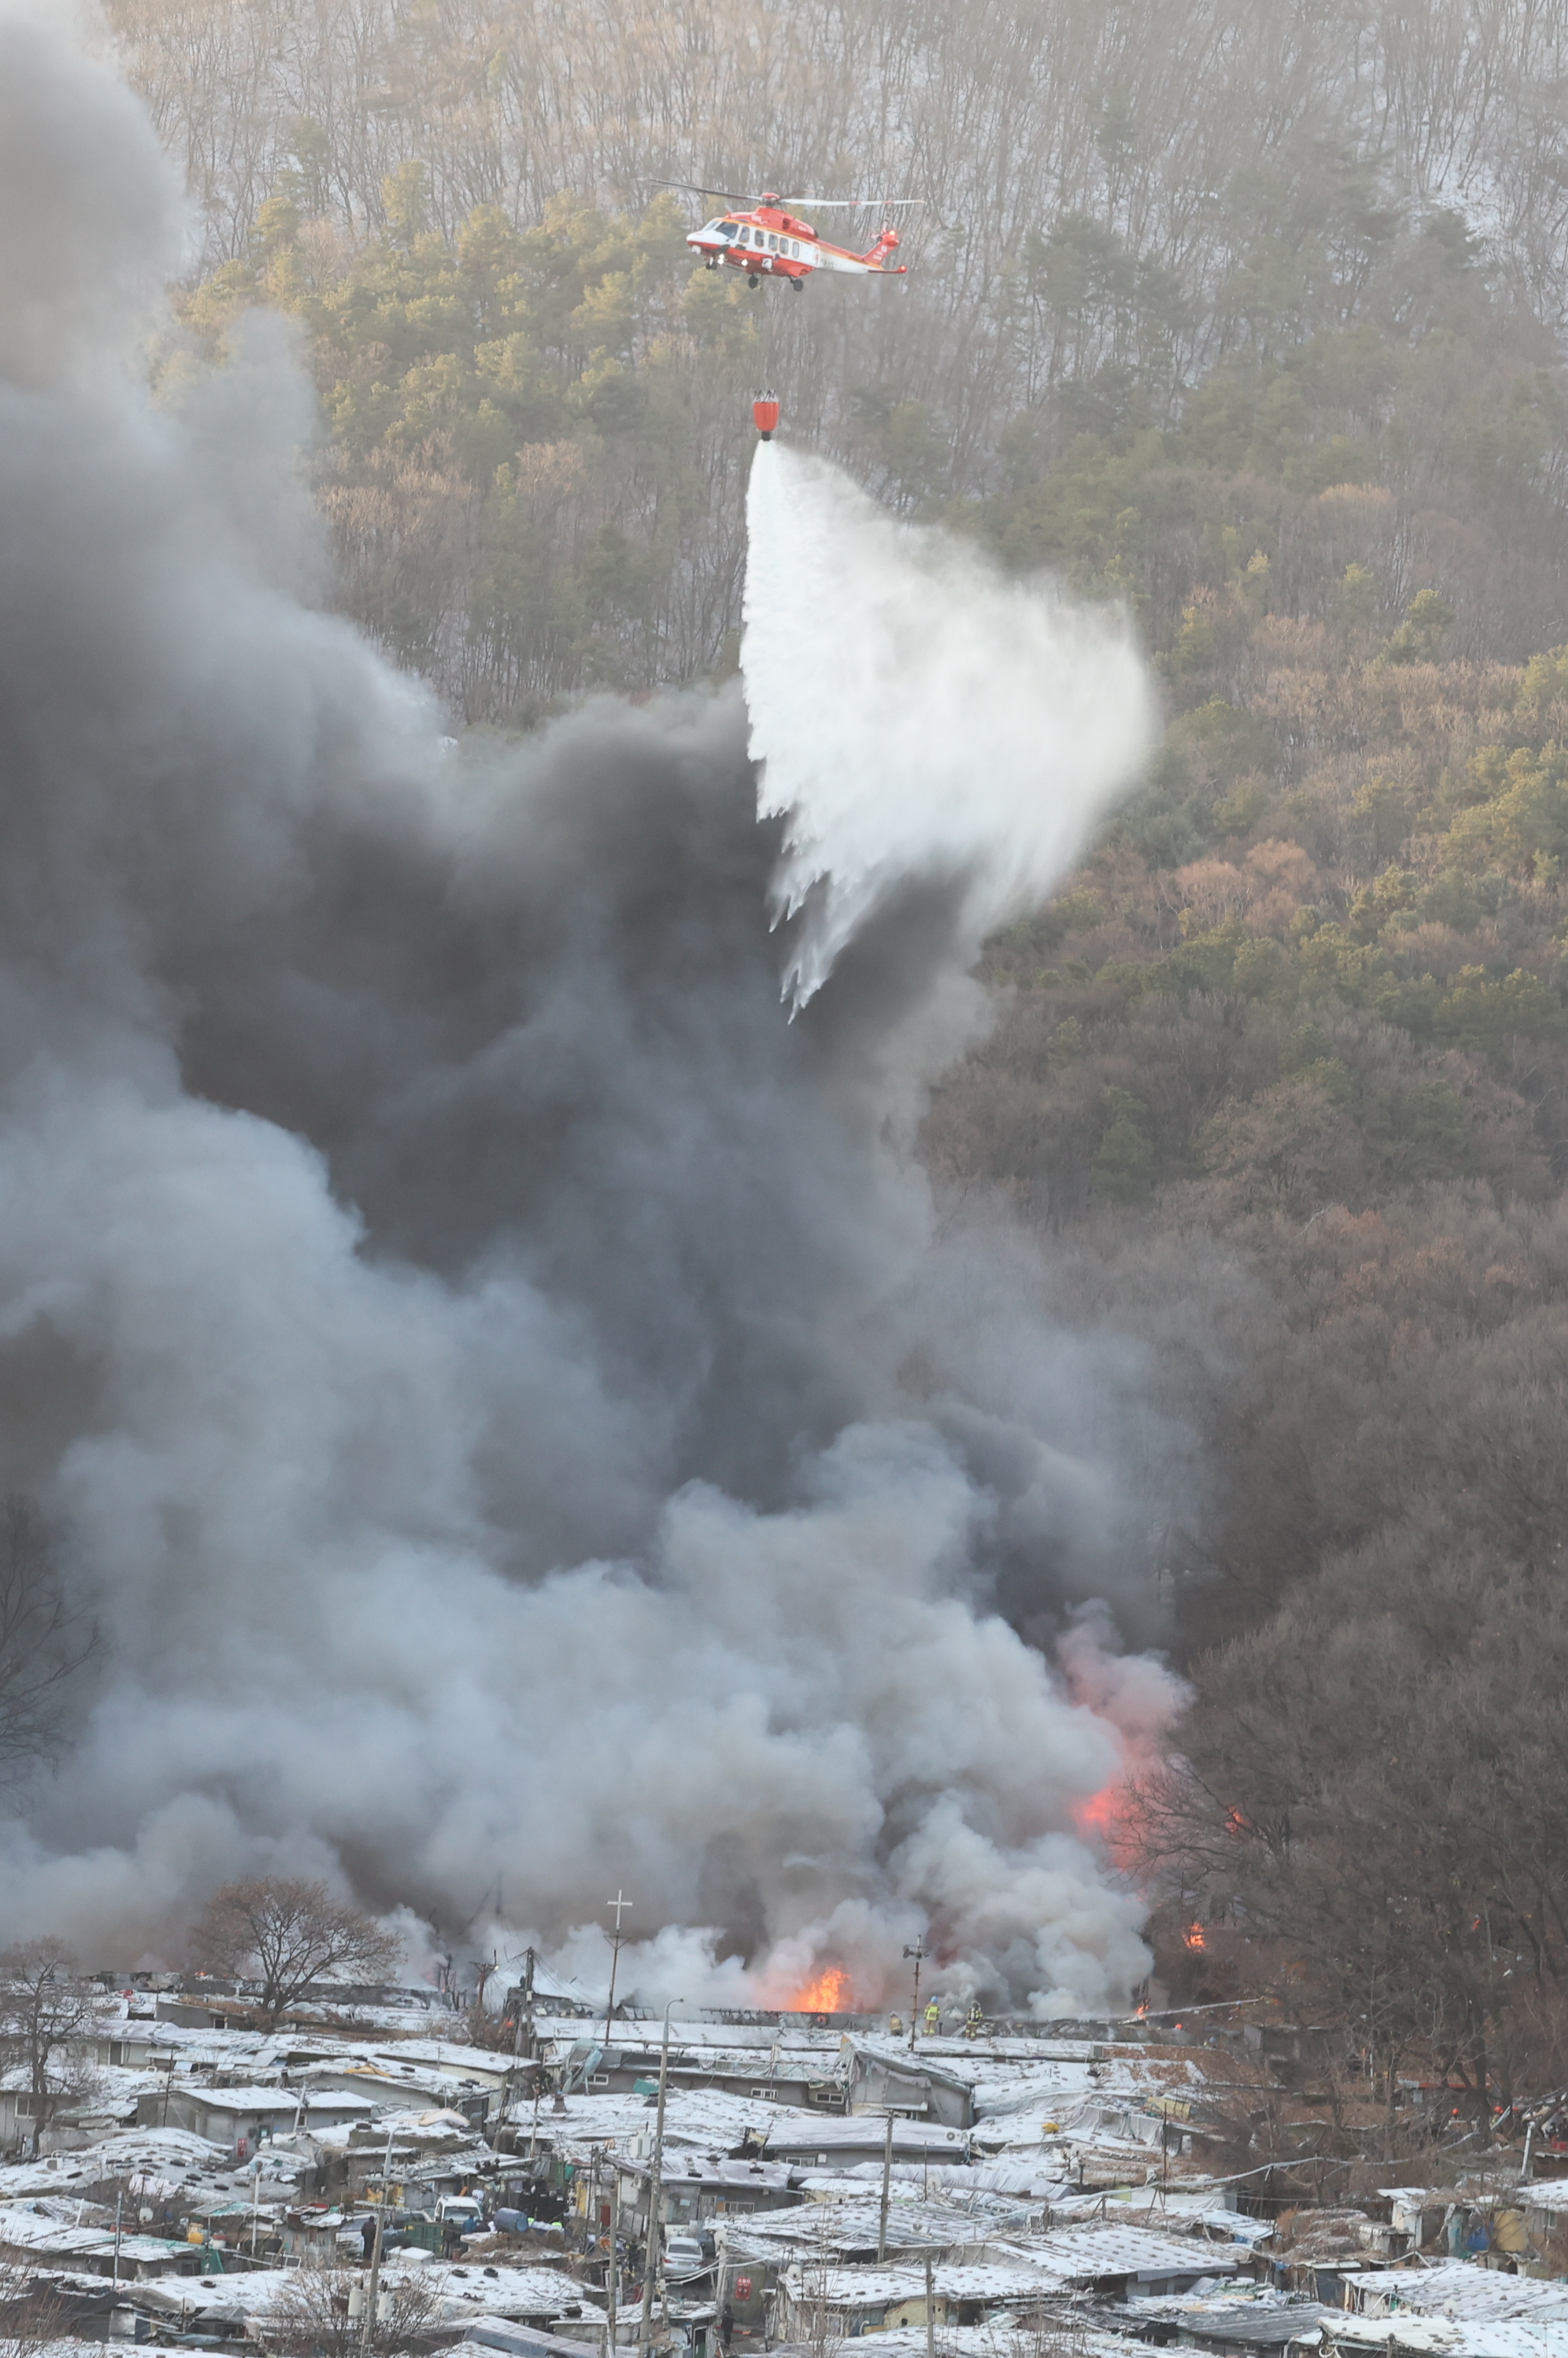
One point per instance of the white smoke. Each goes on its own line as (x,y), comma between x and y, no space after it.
(502,1387)
(917,713)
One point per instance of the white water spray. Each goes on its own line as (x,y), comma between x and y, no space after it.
(916,714)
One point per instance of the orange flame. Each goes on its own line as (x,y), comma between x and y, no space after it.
(828,1994)
(1193,1937)
(1098,1814)
(1109,1814)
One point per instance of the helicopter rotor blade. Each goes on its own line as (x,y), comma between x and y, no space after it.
(695,188)
(818,204)
(856,204)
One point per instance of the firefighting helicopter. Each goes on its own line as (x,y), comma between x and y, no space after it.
(766,239)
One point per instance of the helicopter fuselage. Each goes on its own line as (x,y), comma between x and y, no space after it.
(769,243)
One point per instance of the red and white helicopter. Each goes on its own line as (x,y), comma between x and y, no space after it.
(766,238)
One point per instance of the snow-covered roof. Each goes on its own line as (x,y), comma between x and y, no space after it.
(527,2341)
(1450,2337)
(710,2169)
(706,2119)
(790,2130)
(1029,2178)
(30,2228)
(1079,2254)
(1456,2288)
(464,2289)
(875,2287)
(483,2066)
(260,2098)
(992,2341)
(249,2293)
(471,2289)
(841,2225)
(147,2153)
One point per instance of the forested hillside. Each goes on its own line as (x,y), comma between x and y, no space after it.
(1250,317)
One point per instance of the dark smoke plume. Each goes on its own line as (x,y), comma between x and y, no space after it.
(518,1419)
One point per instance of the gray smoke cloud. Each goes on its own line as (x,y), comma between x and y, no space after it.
(515,1408)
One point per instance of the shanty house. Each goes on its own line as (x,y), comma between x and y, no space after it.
(884,2082)
(811,2303)
(400,2084)
(30,2233)
(1111,2262)
(625,2070)
(538,2297)
(697,2187)
(233,2116)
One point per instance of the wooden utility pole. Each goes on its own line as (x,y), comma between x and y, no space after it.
(653,2260)
(919,1953)
(720,2343)
(930,2311)
(612,2274)
(372,2290)
(523,2031)
(887,2187)
(620,1903)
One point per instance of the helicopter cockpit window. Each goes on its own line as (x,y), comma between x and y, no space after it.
(719,229)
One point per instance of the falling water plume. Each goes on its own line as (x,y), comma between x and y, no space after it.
(917,713)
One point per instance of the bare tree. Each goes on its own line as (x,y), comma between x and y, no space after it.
(816,2323)
(46,2018)
(31,2315)
(315,2314)
(44,1639)
(288,1935)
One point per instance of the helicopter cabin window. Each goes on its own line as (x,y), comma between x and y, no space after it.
(773,243)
